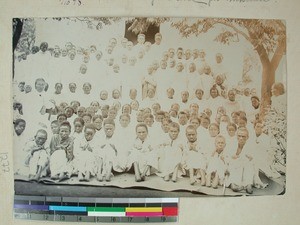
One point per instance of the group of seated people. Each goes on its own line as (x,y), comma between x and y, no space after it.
(213,147)
(183,119)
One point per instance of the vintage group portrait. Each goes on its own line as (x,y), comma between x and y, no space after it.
(183,105)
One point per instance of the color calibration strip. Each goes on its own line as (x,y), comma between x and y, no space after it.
(96,209)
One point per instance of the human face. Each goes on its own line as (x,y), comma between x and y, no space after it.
(58,88)
(155,107)
(151,93)
(140,116)
(171,53)
(192,67)
(149,121)
(104,112)
(99,56)
(184,96)
(109,130)
(208,112)
(220,144)
(72,88)
(86,59)
(194,108)
(129,45)
(275,91)
(141,39)
(141,133)
(179,54)
(126,109)
(195,53)
(20,128)
(21,87)
(231,96)
(195,123)
(172,63)
(112,114)
(199,94)
(103,95)
(165,126)
(64,132)
(40,85)
(40,138)
(95,105)
(61,119)
(205,123)
(89,134)
(242,137)
(219,80)
(134,105)
(188,54)
(86,119)
(163,64)
(255,103)
(158,39)
(69,112)
(116,94)
(132,94)
(231,131)
(83,69)
(202,54)
(78,127)
(173,133)
(179,67)
(182,119)
(150,69)
(258,129)
(80,111)
(55,128)
(124,121)
(170,93)
(86,89)
(27,88)
(191,135)
(44,46)
(218,59)
(98,123)
(214,93)
(72,55)
(213,131)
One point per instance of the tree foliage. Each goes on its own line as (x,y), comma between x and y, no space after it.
(141,24)
(266,33)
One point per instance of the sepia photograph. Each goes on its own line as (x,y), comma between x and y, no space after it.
(149,107)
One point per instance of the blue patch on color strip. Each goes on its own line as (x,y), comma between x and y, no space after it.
(67,208)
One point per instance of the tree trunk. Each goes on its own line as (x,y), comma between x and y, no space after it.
(268,79)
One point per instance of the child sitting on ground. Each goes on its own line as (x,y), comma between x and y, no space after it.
(216,164)
(85,153)
(170,154)
(61,151)
(37,157)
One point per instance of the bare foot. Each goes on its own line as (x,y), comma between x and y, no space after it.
(99,177)
(166,178)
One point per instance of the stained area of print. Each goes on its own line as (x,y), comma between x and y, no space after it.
(170,104)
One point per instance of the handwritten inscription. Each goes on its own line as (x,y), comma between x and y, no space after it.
(209,2)
(4,163)
(71,2)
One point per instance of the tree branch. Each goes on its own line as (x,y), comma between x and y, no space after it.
(278,54)
(236,30)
